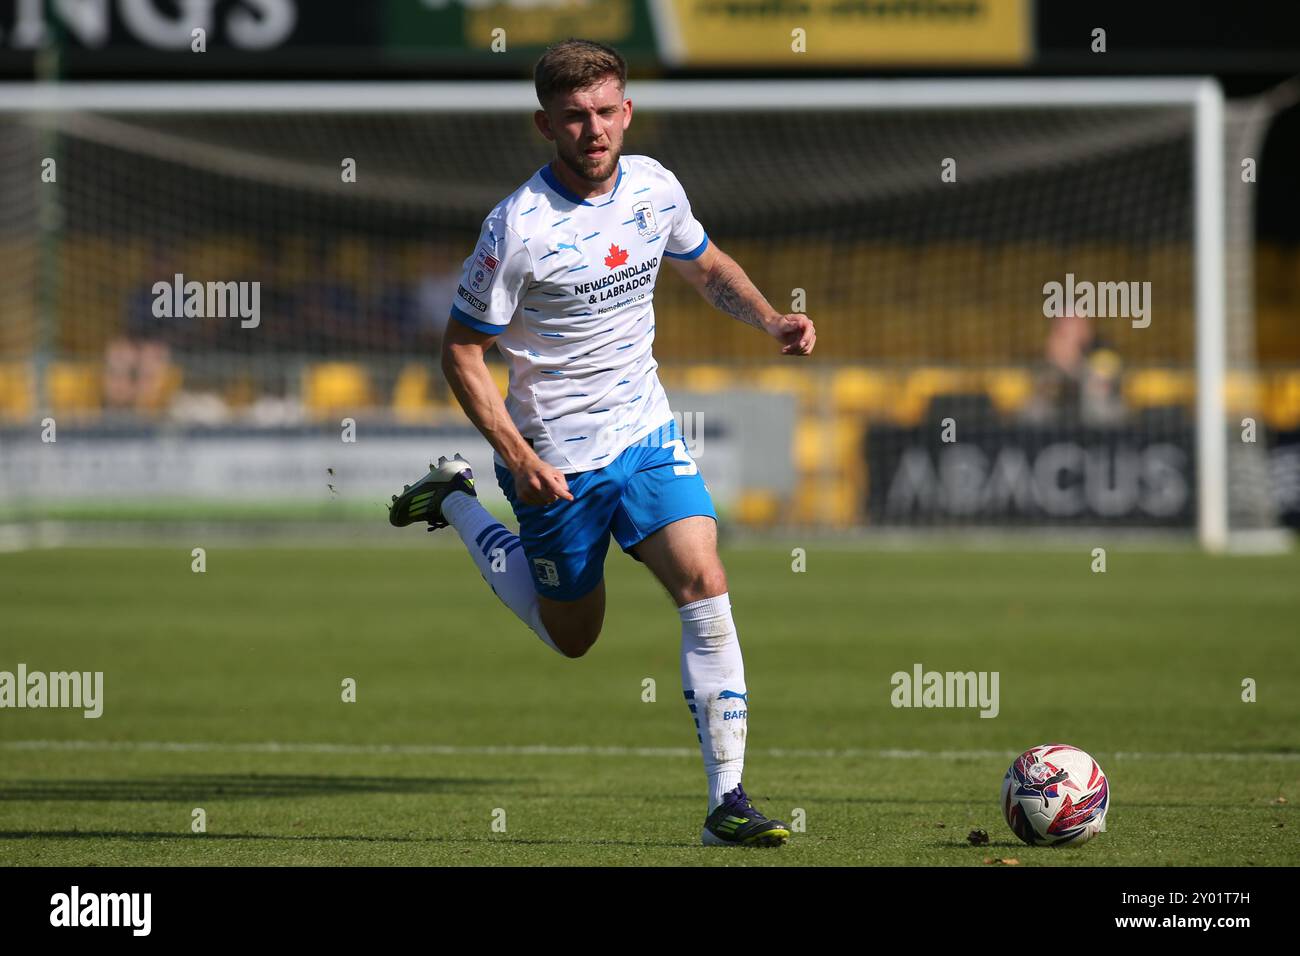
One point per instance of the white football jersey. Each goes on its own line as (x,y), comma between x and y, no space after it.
(567,285)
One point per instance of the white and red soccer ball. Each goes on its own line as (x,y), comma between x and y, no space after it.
(1055,795)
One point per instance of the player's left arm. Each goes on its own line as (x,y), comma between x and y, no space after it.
(723,283)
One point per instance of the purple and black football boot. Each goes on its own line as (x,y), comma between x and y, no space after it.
(736,823)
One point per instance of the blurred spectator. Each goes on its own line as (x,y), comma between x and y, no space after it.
(137,362)
(392,304)
(329,318)
(1079,381)
(435,294)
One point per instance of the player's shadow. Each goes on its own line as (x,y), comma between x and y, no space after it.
(201,787)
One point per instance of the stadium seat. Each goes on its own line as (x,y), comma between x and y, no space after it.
(336,386)
(74,386)
(411,397)
(1009,388)
(923,385)
(1284,401)
(501,376)
(707,378)
(16,395)
(862,390)
(1158,387)
(1244,393)
(786,378)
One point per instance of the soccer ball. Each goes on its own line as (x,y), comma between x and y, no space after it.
(1055,795)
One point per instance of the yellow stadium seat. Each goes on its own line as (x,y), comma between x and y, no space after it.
(16,380)
(336,386)
(861,390)
(1244,393)
(1144,388)
(500,375)
(707,378)
(923,385)
(757,507)
(786,378)
(1009,388)
(1284,401)
(411,400)
(74,386)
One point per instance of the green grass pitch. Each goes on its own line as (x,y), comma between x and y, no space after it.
(223,692)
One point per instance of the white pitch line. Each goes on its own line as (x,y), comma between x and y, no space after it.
(544,750)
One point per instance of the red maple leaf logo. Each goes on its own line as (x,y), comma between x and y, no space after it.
(616,257)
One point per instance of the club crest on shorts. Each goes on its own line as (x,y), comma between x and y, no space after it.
(546,571)
(643,214)
(484,269)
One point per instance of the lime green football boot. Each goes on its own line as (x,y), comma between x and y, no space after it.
(422,501)
(736,823)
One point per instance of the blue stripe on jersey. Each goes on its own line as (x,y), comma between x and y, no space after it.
(592,236)
(561,222)
(574,268)
(641,190)
(667,208)
(694,253)
(577,438)
(464,318)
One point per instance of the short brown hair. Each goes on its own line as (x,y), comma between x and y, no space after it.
(575,64)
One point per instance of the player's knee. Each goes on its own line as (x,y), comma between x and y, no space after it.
(701,583)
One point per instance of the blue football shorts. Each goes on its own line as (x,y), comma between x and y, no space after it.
(651,483)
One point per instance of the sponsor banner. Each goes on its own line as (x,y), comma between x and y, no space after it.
(1001,476)
(235,38)
(297,466)
(799,33)
(1284,470)
(513,29)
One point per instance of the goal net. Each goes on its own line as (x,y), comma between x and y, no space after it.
(1032,297)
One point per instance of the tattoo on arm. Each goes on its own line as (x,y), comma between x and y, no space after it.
(730,290)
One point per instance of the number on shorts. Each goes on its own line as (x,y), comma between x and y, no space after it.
(681,454)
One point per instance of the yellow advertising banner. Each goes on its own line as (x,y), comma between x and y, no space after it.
(844,32)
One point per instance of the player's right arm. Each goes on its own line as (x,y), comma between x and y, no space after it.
(491,285)
(464,364)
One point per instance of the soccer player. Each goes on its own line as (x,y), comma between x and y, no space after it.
(562,282)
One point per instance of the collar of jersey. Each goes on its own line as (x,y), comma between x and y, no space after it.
(549,178)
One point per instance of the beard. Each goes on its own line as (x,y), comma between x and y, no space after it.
(593,172)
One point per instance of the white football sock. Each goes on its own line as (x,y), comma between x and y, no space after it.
(713,679)
(511,581)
